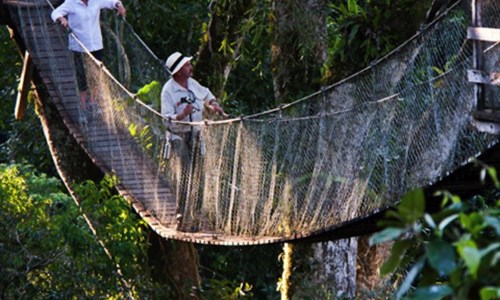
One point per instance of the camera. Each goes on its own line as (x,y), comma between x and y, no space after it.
(191,101)
(187,100)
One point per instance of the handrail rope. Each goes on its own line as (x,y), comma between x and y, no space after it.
(355,107)
(491,47)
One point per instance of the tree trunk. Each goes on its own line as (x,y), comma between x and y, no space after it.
(336,266)
(369,261)
(299,50)
(177,262)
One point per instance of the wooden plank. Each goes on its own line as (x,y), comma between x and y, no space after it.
(106,138)
(477,76)
(161,191)
(487,115)
(155,200)
(61,75)
(484,34)
(24,87)
(63,82)
(168,208)
(486,123)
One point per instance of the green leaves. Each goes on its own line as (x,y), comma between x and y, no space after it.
(490,293)
(362,31)
(47,249)
(441,256)
(386,235)
(433,292)
(151,94)
(458,246)
(142,135)
(398,250)
(469,253)
(412,206)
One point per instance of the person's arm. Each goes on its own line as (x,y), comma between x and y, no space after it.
(59,14)
(209,99)
(215,106)
(185,113)
(114,4)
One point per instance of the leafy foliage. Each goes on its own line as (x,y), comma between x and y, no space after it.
(179,28)
(454,252)
(229,272)
(151,94)
(48,251)
(361,31)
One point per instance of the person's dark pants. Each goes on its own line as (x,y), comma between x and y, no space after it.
(186,182)
(80,68)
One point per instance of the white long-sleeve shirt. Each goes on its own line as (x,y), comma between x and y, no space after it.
(84,21)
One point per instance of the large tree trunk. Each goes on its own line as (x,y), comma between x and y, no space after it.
(299,50)
(178,262)
(336,266)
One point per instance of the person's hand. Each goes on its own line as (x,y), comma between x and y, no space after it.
(223,114)
(219,110)
(121,9)
(63,21)
(213,105)
(186,112)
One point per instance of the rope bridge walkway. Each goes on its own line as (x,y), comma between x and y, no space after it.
(344,153)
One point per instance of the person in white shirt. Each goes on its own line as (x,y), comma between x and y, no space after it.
(184,99)
(82,17)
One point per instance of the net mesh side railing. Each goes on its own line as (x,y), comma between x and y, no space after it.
(343,153)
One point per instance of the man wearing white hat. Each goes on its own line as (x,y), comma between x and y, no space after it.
(183,99)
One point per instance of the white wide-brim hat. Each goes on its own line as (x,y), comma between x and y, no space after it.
(175,62)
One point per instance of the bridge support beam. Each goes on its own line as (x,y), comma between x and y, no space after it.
(24,87)
(477,54)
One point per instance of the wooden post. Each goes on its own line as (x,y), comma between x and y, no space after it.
(24,87)
(477,55)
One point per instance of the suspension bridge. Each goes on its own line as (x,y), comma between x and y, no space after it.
(318,165)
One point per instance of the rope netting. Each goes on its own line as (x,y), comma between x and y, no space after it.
(345,152)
